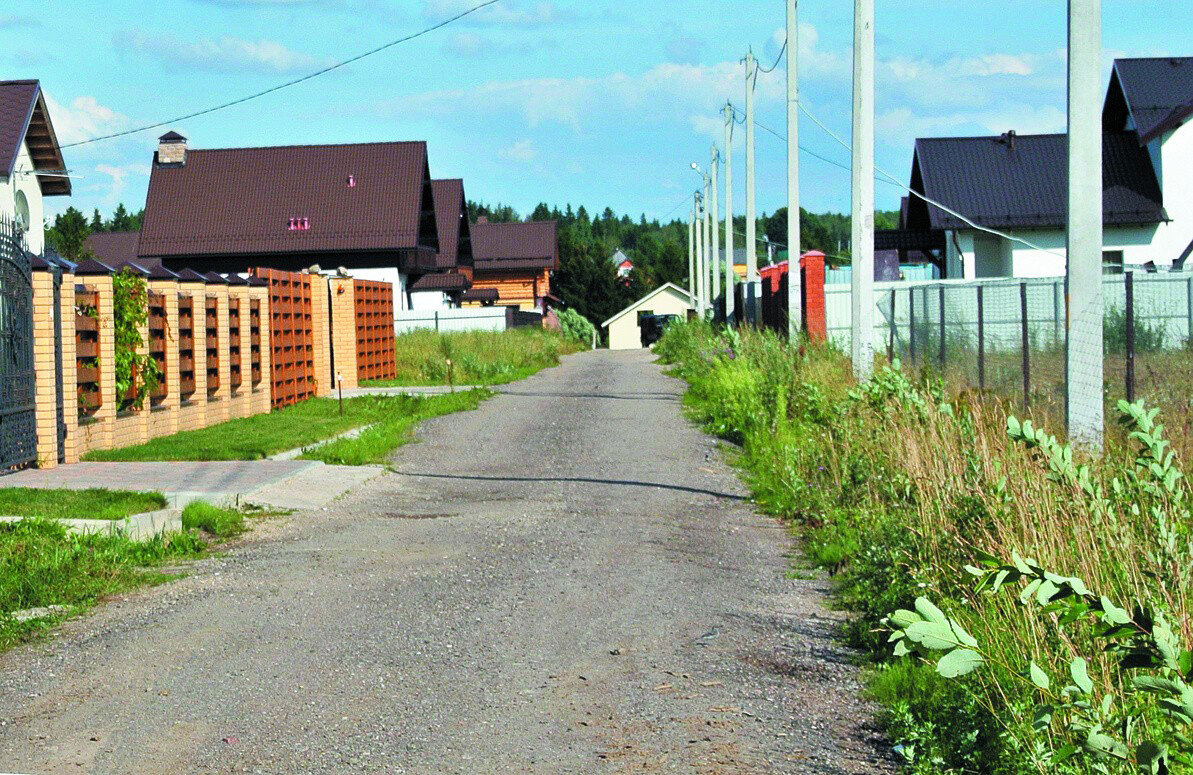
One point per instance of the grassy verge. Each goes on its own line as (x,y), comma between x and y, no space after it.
(897,485)
(253,438)
(77,504)
(477,357)
(394,427)
(44,566)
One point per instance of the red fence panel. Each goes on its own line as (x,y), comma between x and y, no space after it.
(375,357)
(292,365)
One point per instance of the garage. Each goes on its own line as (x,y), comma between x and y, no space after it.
(626,327)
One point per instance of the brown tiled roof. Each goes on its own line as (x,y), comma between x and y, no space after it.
(530,245)
(25,118)
(442,281)
(114,247)
(372,197)
(455,241)
(481,294)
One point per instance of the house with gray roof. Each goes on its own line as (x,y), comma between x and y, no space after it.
(1017,184)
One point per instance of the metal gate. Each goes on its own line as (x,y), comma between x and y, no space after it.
(18,430)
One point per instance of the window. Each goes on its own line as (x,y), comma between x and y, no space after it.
(22,206)
(1112,262)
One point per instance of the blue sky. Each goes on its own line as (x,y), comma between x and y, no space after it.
(600,102)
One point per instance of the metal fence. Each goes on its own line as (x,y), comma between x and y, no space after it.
(465,319)
(18,434)
(1008,335)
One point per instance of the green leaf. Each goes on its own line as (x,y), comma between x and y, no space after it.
(901,649)
(1078,669)
(930,635)
(930,612)
(902,617)
(959,662)
(1104,745)
(1112,614)
(1042,718)
(1151,757)
(1038,676)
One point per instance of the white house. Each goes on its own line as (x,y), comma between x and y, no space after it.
(625,330)
(31,165)
(1017,184)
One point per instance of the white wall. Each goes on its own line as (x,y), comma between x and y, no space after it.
(466,319)
(389,275)
(28,185)
(626,334)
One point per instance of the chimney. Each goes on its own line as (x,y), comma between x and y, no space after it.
(171,149)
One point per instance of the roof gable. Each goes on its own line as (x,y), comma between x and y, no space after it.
(24,118)
(1155,93)
(1021,182)
(528,245)
(455,236)
(665,287)
(370,197)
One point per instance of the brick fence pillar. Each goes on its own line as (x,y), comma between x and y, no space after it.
(812,289)
(164,418)
(321,331)
(45,369)
(343,331)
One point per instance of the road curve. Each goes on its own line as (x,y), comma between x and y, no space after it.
(568,580)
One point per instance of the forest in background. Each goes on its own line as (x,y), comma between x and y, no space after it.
(587,279)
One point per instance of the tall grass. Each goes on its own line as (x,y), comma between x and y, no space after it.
(895,497)
(478,357)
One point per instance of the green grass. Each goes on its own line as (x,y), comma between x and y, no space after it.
(374,445)
(41,564)
(478,357)
(77,504)
(217,521)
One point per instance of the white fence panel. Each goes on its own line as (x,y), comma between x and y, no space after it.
(466,319)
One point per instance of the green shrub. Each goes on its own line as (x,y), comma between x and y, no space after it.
(576,327)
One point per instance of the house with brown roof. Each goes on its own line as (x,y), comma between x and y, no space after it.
(31,164)
(366,207)
(1016,184)
(513,264)
(452,278)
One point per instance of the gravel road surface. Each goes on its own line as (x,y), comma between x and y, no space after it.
(568,580)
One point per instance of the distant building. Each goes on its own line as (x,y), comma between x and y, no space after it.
(623,263)
(514,260)
(452,278)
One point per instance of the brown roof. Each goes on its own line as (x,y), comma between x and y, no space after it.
(442,281)
(25,118)
(530,245)
(114,247)
(455,240)
(373,197)
(481,294)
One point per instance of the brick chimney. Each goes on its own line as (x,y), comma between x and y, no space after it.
(171,149)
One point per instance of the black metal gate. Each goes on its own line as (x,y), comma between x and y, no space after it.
(18,429)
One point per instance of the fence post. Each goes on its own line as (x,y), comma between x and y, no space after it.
(1129,287)
(1026,346)
(942,338)
(437,321)
(1056,324)
(911,324)
(981,342)
(1189,304)
(890,345)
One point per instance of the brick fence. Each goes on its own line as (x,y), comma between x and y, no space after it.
(774,295)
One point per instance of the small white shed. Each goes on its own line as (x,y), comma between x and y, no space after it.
(625,333)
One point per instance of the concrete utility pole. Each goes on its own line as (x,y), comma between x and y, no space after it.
(753,286)
(701,278)
(692,253)
(715,228)
(708,302)
(863,189)
(1083,383)
(795,314)
(729,296)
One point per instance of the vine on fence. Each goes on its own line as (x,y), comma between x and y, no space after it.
(137,374)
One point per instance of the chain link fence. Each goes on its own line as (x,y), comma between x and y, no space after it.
(1007,336)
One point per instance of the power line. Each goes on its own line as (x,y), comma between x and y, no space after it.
(771,69)
(287,84)
(808,151)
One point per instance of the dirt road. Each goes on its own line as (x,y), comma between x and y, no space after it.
(568,580)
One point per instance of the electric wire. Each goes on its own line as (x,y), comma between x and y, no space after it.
(287,84)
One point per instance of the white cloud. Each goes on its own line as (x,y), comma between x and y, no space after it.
(119,182)
(521,151)
(900,127)
(473,45)
(8,20)
(226,53)
(508,13)
(84,118)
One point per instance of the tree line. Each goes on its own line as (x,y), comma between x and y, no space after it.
(68,234)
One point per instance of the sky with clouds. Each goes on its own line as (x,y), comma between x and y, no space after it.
(600,102)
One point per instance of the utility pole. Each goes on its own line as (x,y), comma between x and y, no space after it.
(753,286)
(708,304)
(1084,381)
(692,254)
(700,282)
(716,232)
(729,295)
(863,189)
(795,312)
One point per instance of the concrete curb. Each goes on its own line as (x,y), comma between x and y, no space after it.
(138,527)
(294,454)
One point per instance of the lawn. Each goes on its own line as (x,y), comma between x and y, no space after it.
(477,357)
(77,504)
(300,426)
